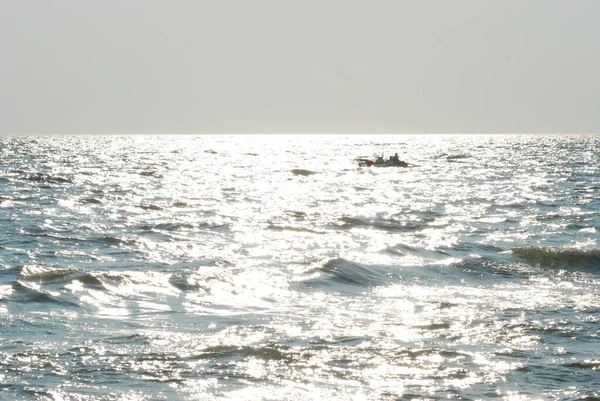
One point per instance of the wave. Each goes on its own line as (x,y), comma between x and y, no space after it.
(341,272)
(24,293)
(46,178)
(46,274)
(171,227)
(230,352)
(150,207)
(453,157)
(200,276)
(90,200)
(34,283)
(133,284)
(44,284)
(150,173)
(42,275)
(430,254)
(390,225)
(276,227)
(38,232)
(110,240)
(588,364)
(90,281)
(300,171)
(566,257)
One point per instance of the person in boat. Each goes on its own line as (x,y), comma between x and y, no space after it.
(397,162)
(394,160)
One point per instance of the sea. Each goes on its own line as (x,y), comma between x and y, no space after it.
(266,267)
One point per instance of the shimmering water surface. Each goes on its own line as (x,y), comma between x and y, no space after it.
(275,268)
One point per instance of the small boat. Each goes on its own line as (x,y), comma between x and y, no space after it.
(379,161)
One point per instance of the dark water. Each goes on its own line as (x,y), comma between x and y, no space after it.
(275,268)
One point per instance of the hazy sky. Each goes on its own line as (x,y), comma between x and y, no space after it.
(299,66)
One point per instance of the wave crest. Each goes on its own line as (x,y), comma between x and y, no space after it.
(304,172)
(560,257)
(341,272)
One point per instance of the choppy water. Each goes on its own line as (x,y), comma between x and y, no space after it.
(274,268)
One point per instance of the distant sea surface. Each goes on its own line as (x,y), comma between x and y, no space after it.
(275,268)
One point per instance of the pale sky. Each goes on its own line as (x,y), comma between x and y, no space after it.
(299,66)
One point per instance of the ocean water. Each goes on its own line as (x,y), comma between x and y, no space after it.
(275,268)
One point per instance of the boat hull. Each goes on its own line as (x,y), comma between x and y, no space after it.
(384,163)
